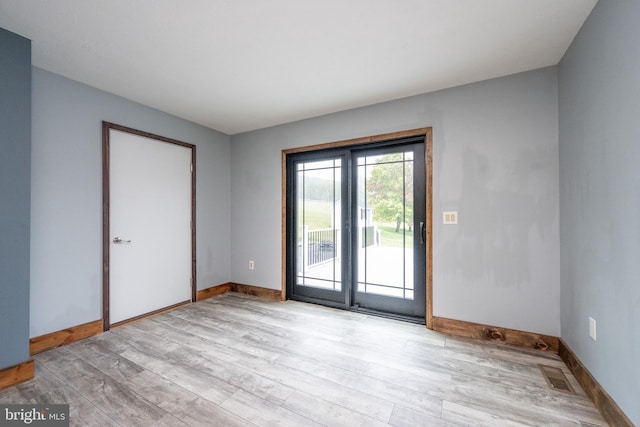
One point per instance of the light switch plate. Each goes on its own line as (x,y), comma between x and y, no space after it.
(450,217)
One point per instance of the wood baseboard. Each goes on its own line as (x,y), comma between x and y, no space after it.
(214,291)
(495,334)
(271,294)
(609,409)
(149,314)
(16,374)
(64,337)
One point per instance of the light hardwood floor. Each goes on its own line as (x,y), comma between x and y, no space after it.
(237,360)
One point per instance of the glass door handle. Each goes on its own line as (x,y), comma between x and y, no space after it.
(119,240)
(423,232)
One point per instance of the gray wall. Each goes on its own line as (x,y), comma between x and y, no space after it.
(599,116)
(66,225)
(15,143)
(495,162)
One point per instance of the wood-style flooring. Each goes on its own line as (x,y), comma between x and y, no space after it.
(237,360)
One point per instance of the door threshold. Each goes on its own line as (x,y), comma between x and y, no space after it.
(386,315)
(362,310)
(147,315)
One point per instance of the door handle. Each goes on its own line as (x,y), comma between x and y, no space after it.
(423,232)
(119,240)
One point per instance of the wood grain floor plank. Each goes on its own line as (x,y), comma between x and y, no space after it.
(81,411)
(44,381)
(102,358)
(384,352)
(200,337)
(390,391)
(316,386)
(263,412)
(358,400)
(182,403)
(467,347)
(514,405)
(185,376)
(528,400)
(327,413)
(466,416)
(406,417)
(166,395)
(116,400)
(13,394)
(237,360)
(247,380)
(210,342)
(348,354)
(488,362)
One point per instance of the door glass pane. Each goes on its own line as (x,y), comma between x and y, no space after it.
(385,224)
(318,219)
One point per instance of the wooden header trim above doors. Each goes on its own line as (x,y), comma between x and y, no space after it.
(364,140)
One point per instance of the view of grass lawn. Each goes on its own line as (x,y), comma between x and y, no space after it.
(391,238)
(318,213)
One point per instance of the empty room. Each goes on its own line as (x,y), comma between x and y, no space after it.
(404,213)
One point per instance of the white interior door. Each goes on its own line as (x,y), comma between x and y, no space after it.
(150,225)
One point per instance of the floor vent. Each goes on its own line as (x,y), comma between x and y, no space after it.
(556,379)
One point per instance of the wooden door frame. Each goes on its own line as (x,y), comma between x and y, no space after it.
(106,239)
(427,132)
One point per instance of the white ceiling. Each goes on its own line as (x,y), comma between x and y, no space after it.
(239,65)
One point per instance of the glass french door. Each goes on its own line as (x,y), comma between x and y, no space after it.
(317,234)
(388,233)
(355,228)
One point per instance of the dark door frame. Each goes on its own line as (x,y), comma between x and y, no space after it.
(427,132)
(342,298)
(413,309)
(106,239)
